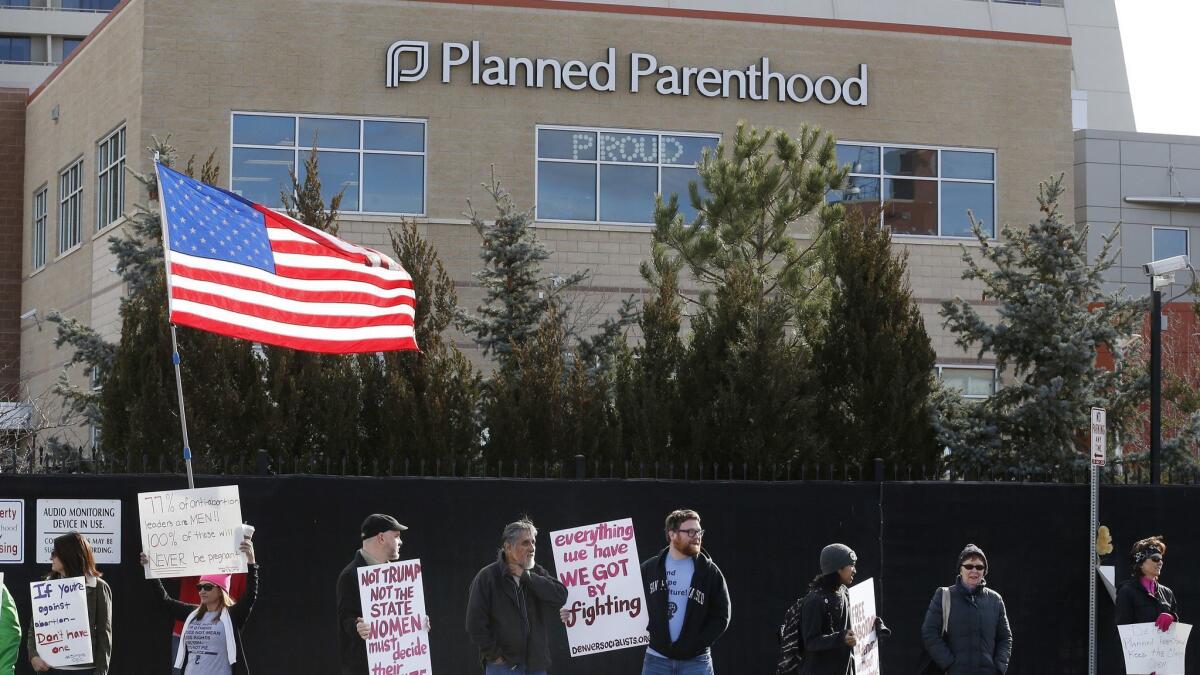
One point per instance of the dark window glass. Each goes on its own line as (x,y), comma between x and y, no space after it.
(561,144)
(910,206)
(101,5)
(15,49)
(957,199)
(684,150)
(636,148)
(70,45)
(327,133)
(861,158)
(261,175)
(1169,242)
(393,183)
(566,191)
(959,164)
(338,173)
(909,162)
(675,181)
(398,136)
(861,194)
(264,130)
(627,193)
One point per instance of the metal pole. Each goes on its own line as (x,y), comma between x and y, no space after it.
(1156,387)
(1095,517)
(187,450)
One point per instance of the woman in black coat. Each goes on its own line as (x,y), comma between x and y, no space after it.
(825,627)
(1141,598)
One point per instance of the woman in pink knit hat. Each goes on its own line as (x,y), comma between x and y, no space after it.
(211,642)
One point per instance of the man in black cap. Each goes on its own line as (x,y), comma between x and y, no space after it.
(380,544)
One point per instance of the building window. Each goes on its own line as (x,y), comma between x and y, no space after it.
(110,178)
(37,250)
(611,176)
(90,5)
(1169,241)
(922,191)
(70,45)
(15,48)
(70,197)
(378,164)
(972,381)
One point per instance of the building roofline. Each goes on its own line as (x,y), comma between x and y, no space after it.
(82,45)
(749,17)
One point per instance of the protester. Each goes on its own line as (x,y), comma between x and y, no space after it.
(684,590)
(10,632)
(977,640)
(380,544)
(510,605)
(189,594)
(1141,598)
(211,641)
(71,556)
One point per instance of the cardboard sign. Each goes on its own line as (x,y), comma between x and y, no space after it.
(606,602)
(192,532)
(393,605)
(98,520)
(12,530)
(60,621)
(1150,650)
(862,621)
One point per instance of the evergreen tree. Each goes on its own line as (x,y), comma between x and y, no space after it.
(1053,319)
(873,362)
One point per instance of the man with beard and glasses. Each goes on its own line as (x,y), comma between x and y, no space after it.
(380,544)
(687,601)
(510,604)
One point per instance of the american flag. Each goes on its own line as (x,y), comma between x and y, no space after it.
(240,269)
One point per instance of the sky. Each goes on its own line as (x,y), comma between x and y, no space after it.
(1161,40)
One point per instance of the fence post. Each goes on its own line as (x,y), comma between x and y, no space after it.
(263,466)
(878,469)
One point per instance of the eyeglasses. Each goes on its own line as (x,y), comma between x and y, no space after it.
(205,588)
(977,568)
(693,533)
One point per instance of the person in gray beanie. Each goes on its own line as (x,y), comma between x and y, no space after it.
(821,641)
(977,639)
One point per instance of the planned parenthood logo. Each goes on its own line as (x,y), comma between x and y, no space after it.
(398,71)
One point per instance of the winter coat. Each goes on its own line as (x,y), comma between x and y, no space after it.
(707,613)
(352,649)
(10,632)
(494,620)
(99,604)
(824,621)
(1136,605)
(238,614)
(978,640)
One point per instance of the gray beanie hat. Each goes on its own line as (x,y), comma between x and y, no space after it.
(972,550)
(836,556)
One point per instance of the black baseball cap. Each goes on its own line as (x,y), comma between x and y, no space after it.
(380,522)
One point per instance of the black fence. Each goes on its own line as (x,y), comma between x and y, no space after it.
(765,535)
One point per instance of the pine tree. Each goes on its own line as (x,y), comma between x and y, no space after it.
(1053,319)
(874,361)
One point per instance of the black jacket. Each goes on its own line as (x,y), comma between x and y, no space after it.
(707,614)
(978,640)
(352,649)
(1135,605)
(494,619)
(238,614)
(824,621)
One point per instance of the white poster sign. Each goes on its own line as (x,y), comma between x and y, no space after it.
(192,532)
(1150,650)
(862,621)
(393,605)
(12,530)
(605,599)
(99,520)
(60,621)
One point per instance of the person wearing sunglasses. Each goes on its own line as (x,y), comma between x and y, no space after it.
(211,641)
(687,601)
(71,556)
(1141,598)
(977,640)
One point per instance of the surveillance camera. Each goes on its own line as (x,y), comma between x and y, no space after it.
(30,314)
(1166,265)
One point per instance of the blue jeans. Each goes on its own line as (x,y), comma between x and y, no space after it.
(657,665)
(506,669)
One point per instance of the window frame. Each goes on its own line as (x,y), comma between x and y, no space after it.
(70,200)
(974,366)
(104,173)
(298,148)
(657,165)
(37,234)
(939,178)
(1187,240)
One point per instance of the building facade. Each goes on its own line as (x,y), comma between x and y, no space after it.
(36,36)
(583,110)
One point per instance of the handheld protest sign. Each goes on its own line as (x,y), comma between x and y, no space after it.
(192,532)
(1150,650)
(393,605)
(862,621)
(606,602)
(61,628)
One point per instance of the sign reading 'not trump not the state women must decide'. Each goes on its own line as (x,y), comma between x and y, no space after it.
(192,532)
(605,599)
(393,605)
(862,621)
(62,632)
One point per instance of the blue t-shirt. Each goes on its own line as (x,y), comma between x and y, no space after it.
(679,581)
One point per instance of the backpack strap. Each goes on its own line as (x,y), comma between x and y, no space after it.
(945,608)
